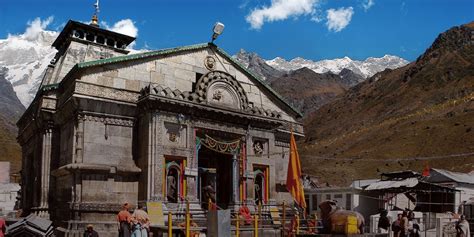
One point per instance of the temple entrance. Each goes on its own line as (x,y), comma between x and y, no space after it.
(215,178)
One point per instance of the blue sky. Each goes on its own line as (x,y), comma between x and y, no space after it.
(312,29)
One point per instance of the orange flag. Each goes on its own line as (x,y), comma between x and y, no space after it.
(293,182)
(426,170)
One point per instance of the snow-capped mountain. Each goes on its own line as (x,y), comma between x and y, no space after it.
(26,57)
(366,68)
(257,65)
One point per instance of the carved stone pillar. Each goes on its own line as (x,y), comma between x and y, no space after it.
(155,159)
(235,179)
(79,139)
(45,172)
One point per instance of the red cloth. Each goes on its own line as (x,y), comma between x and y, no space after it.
(3,227)
(123,216)
(245,213)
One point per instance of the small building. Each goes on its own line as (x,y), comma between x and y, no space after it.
(8,191)
(410,190)
(350,198)
(464,182)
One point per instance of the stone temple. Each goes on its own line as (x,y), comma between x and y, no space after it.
(108,127)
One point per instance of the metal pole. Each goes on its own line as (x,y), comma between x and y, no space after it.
(297,224)
(237,227)
(255,230)
(188,217)
(259,210)
(283,219)
(170,225)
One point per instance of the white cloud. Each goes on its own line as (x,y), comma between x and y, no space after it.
(367,4)
(35,28)
(317,16)
(280,10)
(125,26)
(338,19)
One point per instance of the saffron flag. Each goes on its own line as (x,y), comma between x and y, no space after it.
(293,182)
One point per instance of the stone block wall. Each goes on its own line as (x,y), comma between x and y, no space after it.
(177,72)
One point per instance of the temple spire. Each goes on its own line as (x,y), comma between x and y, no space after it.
(95,18)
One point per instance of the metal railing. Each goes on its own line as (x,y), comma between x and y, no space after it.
(289,223)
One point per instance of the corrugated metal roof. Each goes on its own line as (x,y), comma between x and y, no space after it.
(408,183)
(456,176)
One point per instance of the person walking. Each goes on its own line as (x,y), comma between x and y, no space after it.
(124,219)
(140,222)
(462,227)
(90,232)
(396,226)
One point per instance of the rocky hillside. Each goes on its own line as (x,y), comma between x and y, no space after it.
(307,90)
(308,85)
(400,119)
(10,110)
(257,65)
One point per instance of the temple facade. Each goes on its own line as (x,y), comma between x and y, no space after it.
(108,127)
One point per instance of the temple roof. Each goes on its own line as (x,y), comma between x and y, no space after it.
(74,25)
(82,66)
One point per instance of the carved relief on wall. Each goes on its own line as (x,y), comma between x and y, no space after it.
(76,55)
(221,93)
(258,147)
(217,95)
(175,134)
(172,137)
(210,63)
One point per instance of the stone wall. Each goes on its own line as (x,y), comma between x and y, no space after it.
(78,52)
(177,72)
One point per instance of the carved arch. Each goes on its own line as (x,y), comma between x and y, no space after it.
(221,81)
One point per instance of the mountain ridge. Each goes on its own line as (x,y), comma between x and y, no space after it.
(26,57)
(398,119)
(366,68)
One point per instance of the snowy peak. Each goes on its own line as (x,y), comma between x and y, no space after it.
(257,65)
(366,68)
(26,56)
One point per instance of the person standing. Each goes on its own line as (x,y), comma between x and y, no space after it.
(404,225)
(140,222)
(384,222)
(90,232)
(124,219)
(396,227)
(3,227)
(413,226)
(462,227)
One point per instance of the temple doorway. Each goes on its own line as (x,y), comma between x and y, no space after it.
(215,177)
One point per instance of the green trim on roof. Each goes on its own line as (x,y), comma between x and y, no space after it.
(181,49)
(140,55)
(49,87)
